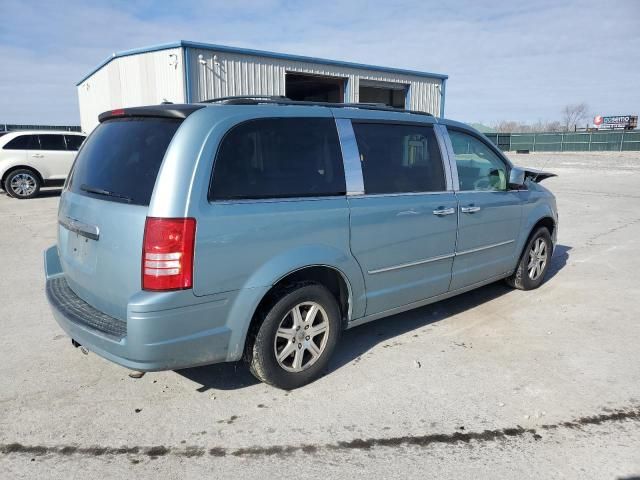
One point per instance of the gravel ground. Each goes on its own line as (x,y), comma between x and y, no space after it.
(494,383)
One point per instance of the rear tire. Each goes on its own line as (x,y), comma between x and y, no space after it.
(534,261)
(292,349)
(22,183)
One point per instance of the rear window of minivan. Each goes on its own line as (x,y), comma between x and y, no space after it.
(120,160)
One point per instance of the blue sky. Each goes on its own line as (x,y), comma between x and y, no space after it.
(515,60)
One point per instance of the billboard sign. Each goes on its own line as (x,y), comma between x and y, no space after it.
(626,122)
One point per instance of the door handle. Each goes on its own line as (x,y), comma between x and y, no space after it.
(444,211)
(469,209)
(37,155)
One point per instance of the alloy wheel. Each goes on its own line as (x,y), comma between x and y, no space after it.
(301,337)
(538,255)
(23,184)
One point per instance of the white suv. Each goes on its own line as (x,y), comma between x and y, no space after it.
(33,159)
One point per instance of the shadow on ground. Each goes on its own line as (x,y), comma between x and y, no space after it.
(357,341)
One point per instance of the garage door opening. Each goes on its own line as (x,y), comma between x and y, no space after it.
(314,88)
(391,96)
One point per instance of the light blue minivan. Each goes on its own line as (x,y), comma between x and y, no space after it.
(260,228)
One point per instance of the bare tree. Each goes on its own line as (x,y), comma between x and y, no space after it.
(554,126)
(510,126)
(507,126)
(574,114)
(547,126)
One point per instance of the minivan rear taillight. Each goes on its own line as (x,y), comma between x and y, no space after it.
(167,253)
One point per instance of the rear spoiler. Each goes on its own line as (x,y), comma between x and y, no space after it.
(166,110)
(537,175)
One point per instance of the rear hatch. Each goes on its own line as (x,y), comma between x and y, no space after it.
(103,209)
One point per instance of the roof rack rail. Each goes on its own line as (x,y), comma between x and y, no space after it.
(281,100)
(252,98)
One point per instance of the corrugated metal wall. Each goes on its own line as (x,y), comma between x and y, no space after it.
(235,74)
(152,77)
(130,81)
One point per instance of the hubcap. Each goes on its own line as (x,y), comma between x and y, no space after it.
(537,259)
(23,184)
(301,337)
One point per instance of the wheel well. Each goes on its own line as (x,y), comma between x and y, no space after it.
(20,167)
(329,277)
(545,222)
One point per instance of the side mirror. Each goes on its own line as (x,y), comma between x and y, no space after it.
(516,178)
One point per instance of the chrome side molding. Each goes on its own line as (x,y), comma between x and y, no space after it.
(411,264)
(440,257)
(485,247)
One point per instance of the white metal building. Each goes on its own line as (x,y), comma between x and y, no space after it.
(185,72)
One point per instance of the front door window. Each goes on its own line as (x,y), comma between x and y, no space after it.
(479,168)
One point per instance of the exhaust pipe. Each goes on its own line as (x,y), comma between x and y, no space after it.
(78,345)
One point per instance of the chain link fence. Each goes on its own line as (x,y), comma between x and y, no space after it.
(611,141)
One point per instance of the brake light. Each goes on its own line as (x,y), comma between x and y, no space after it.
(118,112)
(167,253)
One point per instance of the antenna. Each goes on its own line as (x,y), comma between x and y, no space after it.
(541,170)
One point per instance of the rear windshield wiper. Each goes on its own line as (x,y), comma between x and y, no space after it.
(102,191)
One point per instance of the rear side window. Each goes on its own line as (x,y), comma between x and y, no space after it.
(121,159)
(74,142)
(279,158)
(399,158)
(23,142)
(52,142)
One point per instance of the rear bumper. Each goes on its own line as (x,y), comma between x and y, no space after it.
(153,337)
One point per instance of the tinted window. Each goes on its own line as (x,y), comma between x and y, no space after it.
(52,142)
(74,141)
(23,142)
(123,157)
(277,158)
(399,158)
(479,167)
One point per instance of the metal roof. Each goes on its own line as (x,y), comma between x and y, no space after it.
(260,53)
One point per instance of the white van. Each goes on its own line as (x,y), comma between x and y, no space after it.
(33,159)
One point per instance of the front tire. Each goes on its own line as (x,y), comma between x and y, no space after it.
(296,338)
(22,184)
(534,261)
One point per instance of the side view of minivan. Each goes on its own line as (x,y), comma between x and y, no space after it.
(260,228)
(33,159)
